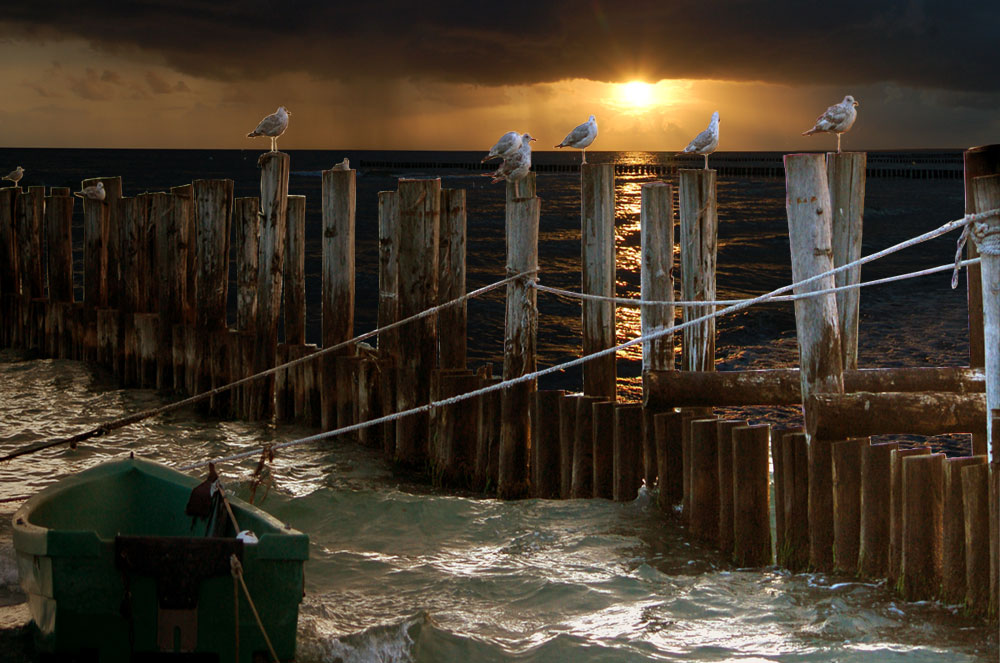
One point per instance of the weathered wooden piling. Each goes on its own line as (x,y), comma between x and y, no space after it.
(339,204)
(520,332)
(488,440)
(821,534)
(598,274)
(274,169)
(724,470)
(656,217)
(953,555)
(627,450)
(834,416)
(668,427)
(420,214)
(978,161)
(604,448)
(452,321)
(976,533)
(847,461)
(750,517)
(29,212)
(59,241)
(293,283)
(454,458)
(846,180)
(876,480)
(986,190)
(388,310)
(794,555)
(704,500)
(896,509)
(567,442)
(778,489)
(699,229)
(545,456)
(246,231)
(923,485)
(582,480)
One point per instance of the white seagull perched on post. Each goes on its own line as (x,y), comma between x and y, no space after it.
(705,142)
(508,144)
(95,192)
(581,137)
(15,175)
(516,166)
(837,119)
(272,126)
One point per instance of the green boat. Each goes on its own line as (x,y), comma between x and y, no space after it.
(134,561)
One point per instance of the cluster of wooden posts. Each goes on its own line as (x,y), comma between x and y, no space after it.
(155,277)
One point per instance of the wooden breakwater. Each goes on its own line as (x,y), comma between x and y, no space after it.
(155,274)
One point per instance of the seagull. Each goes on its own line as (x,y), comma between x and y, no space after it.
(581,137)
(506,146)
(272,126)
(95,192)
(516,166)
(15,175)
(705,142)
(343,165)
(837,119)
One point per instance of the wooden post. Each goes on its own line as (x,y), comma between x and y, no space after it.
(688,415)
(545,463)
(456,432)
(923,483)
(979,161)
(129,269)
(10,283)
(246,226)
(847,460)
(724,469)
(420,215)
(95,251)
(452,321)
(876,478)
(270,267)
(698,238)
(846,173)
(953,555)
(520,332)
(582,480)
(656,217)
(488,439)
(339,207)
(994,537)
(627,458)
(170,258)
(751,519)
(668,427)
(794,555)
(157,207)
(184,211)
(30,210)
(388,312)
(976,534)
(704,506)
(896,507)
(986,190)
(567,443)
(145,349)
(294,277)
(604,449)
(346,369)
(598,261)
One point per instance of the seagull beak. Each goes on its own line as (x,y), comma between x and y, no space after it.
(532,139)
(857,105)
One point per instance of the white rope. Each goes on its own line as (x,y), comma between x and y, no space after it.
(628,302)
(744,304)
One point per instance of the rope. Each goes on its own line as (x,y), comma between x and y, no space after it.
(237,571)
(741,305)
(107,427)
(627,302)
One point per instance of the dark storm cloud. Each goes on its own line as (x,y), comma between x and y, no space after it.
(919,44)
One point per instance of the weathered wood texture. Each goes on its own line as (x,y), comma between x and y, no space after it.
(627,449)
(213,207)
(923,485)
(836,416)
(704,500)
(656,217)
(820,503)
(953,554)
(452,321)
(896,509)
(582,480)
(604,449)
(598,275)
(545,456)
(847,462)
(520,342)
(59,238)
(794,554)
(725,471)
(670,476)
(294,278)
(420,215)
(782,386)
(976,533)
(29,212)
(246,223)
(846,181)
(876,477)
(979,161)
(986,191)
(699,229)
(751,517)
(339,209)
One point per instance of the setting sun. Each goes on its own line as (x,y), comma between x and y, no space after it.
(637,95)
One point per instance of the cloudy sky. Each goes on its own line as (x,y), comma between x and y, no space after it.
(456,75)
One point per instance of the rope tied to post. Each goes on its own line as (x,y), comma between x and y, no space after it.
(987,241)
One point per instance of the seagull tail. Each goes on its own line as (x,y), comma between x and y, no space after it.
(490,158)
(253,134)
(561,145)
(810,132)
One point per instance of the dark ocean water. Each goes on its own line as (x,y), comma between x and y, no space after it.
(401,573)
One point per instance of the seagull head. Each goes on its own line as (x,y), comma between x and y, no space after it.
(849,101)
(282,109)
(592,119)
(100,185)
(715,118)
(526,138)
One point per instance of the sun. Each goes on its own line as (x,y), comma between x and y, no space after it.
(636,95)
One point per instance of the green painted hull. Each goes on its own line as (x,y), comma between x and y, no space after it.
(114,571)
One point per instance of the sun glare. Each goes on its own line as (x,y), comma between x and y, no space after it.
(636,95)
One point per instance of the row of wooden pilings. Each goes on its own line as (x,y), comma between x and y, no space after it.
(154,310)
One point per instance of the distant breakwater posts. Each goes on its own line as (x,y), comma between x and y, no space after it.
(156,272)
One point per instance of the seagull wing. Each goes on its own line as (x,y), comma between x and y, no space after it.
(703,141)
(576,137)
(272,125)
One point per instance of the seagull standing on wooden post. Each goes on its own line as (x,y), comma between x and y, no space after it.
(705,142)
(272,126)
(581,137)
(508,144)
(15,175)
(838,119)
(516,166)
